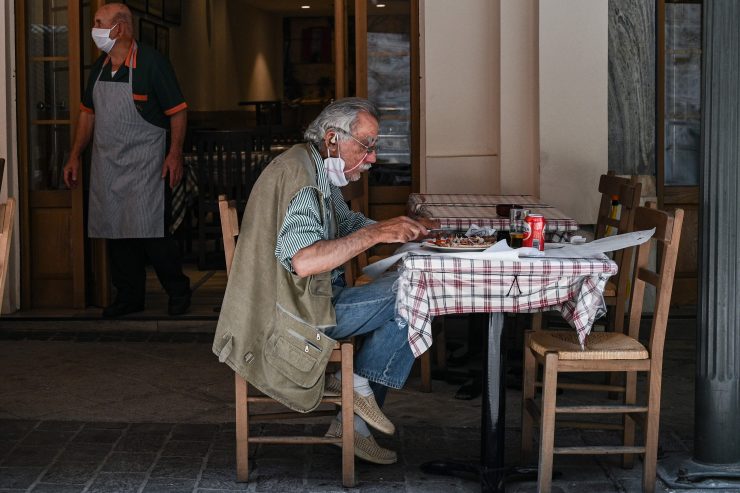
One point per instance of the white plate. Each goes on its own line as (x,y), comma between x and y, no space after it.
(455,249)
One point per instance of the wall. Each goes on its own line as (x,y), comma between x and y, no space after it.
(241,61)
(520,147)
(573,82)
(8,149)
(460,79)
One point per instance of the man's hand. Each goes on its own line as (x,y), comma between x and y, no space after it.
(173,167)
(70,171)
(400,229)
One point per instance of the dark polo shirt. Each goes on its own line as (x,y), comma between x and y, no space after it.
(156,93)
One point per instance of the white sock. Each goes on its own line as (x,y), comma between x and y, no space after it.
(360,384)
(360,425)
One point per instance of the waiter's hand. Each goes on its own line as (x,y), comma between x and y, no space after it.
(173,167)
(70,171)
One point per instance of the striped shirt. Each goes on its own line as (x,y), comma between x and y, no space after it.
(303,225)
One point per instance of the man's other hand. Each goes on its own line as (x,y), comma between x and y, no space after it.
(71,170)
(173,167)
(400,229)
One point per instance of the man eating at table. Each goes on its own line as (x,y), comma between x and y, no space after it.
(286,289)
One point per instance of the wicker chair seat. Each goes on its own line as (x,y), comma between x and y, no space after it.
(599,345)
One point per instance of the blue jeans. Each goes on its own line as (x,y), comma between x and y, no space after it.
(385,356)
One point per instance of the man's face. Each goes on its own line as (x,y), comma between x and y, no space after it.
(355,152)
(104,20)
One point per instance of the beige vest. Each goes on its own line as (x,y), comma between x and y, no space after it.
(271,325)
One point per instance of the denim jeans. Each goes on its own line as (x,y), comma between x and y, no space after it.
(385,356)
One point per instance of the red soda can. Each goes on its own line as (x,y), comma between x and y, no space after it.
(535,235)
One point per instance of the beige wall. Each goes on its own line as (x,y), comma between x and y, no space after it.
(8,151)
(520,151)
(460,79)
(242,61)
(573,78)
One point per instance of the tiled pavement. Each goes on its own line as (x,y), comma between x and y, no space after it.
(131,412)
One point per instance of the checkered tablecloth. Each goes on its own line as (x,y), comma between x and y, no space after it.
(431,285)
(460,211)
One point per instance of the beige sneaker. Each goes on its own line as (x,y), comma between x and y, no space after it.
(366,448)
(365,407)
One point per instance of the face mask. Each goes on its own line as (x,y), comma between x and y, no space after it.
(334,167)
(102,40)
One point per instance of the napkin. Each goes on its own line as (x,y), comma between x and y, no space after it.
(475,230)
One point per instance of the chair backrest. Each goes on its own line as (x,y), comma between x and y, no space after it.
(229,228)
(7,211)
(354,195)
(628,191)
(667,237)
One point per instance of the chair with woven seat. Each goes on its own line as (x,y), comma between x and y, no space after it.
(617,290)
(342,354)
(560,352)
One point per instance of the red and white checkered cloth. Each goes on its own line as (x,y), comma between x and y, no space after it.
(432,285)
(416,200)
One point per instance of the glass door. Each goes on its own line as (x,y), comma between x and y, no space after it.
(48,98)
(679,39)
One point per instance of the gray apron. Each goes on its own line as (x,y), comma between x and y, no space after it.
(126,186)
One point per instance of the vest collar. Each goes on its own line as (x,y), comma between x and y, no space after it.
(322,180)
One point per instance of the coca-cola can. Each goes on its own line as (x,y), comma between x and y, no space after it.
(535,235)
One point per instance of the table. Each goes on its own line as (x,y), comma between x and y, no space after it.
(431,285)
(460,211)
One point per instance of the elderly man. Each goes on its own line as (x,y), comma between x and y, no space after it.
(286,301)
(132,98)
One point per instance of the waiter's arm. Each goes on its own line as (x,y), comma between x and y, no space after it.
(85,126)
(173,161)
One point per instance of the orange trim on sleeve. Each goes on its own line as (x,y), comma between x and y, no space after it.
(141,97)
(86,109)
(176,109)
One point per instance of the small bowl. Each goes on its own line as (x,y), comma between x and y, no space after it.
(503,210)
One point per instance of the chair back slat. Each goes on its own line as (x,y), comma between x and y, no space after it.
(7,211)
(667,238)
(229,228)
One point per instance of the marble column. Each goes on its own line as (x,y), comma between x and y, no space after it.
(717,417)
(632,87)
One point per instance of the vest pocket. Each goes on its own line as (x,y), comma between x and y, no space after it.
(297,350)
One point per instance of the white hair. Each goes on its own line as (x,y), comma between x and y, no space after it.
(340,115)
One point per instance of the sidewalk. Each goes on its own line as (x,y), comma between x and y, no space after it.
(153,412)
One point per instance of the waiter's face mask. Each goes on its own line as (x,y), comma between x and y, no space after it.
(102,40)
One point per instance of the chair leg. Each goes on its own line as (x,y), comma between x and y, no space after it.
(441,342)
(616,323)
(537,321)
(651,431)
(528,392)
(425,362)
(547,425)
(242,428)
(630,397)
(348,417)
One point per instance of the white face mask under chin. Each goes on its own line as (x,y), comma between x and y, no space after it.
(102,40)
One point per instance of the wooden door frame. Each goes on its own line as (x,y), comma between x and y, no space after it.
(76,196)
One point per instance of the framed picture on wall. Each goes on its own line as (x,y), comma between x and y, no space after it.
(138,5)
(148,33)
(155,8)
(163,40)
(172,11)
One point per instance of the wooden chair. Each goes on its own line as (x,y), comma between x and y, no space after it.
(560,352)
(617,290)
(342,354)
(7,211)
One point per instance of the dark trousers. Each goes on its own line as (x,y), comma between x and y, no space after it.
(128,259)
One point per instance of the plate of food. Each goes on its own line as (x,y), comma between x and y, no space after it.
(459,243)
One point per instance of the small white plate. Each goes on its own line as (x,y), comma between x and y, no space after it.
(455,249)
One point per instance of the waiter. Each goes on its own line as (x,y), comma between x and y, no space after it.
(131,99)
